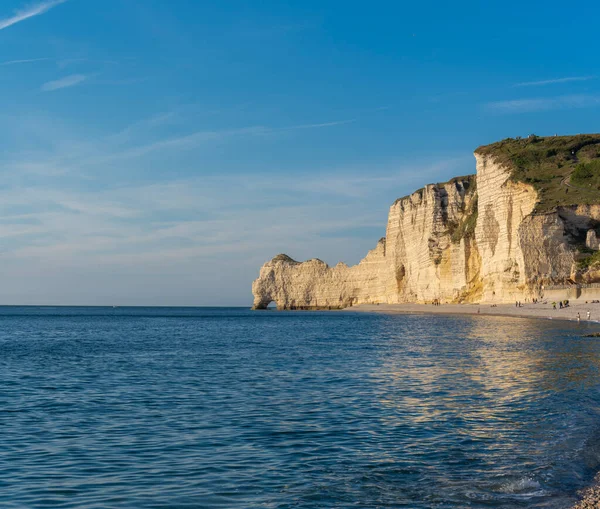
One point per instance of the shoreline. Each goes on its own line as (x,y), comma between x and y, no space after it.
(527,310)
(588,498)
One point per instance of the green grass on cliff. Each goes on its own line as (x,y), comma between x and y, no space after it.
(590,261)
(565,170)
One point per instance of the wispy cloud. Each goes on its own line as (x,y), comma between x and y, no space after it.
(67,81)
(29,12)
(194,139)
(133,144)
(25,61)
(553,81)
(66,62)
(68,241)
(316,126)
(544,104)
(186,141)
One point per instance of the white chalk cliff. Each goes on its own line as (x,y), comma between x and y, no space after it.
(472,239)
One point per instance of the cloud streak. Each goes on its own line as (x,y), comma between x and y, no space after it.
(194,139)
(544,104)
(66,82)
(25,61)
(29,12)
(316,126)
(553,81)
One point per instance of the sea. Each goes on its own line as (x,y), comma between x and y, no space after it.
(134,407)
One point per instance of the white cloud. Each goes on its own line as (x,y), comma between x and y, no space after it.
(198,218)
(26,61)
(67,81)
(185,240)
(544,104)
(183,219)
(29,12)
(553,81)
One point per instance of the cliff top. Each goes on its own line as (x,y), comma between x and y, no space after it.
(467,181)
(288,259)
(565,170)
(283,258)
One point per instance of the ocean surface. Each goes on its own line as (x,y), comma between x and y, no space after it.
(228,408)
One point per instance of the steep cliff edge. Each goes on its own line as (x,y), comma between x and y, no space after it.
(518,225)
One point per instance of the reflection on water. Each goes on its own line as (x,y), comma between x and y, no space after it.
(488,390)
(150,407)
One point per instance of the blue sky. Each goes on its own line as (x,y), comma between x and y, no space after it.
(157,152)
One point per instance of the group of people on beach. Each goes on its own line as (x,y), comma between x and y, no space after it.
(565,304)
(562,304)
(519,304)
(587,317)
(436,302)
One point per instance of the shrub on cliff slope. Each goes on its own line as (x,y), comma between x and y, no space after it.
(565,170)
(591,261)
(587,174)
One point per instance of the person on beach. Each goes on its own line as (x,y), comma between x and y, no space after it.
(578,317)
(554,305)
(588,315)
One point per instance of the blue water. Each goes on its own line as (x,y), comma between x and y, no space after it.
(228,408)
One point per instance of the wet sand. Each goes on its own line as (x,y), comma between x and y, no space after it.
(527,310)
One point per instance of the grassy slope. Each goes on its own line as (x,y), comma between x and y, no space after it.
(551,162)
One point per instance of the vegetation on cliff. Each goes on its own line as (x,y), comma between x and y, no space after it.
(565,170)
(466,228)
(590,260)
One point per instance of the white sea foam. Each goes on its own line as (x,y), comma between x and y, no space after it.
(524,487)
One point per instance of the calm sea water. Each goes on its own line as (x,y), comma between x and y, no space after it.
(228,408)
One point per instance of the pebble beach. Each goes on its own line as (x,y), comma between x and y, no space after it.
(543,310)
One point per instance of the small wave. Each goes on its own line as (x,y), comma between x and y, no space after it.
(524,487)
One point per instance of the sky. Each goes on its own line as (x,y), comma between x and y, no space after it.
(158,152)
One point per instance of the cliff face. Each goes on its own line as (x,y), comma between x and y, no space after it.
(426,259)
(417,260)
(473,239)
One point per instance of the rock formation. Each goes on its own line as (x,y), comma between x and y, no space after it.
(477,238)
(591,240)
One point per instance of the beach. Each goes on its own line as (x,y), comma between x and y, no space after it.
(526,310)
(590,498)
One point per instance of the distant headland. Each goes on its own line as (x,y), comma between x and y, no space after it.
(525,227)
